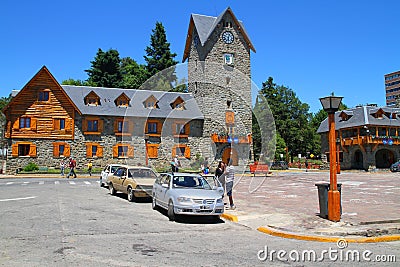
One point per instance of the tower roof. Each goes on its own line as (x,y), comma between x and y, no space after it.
(205,25)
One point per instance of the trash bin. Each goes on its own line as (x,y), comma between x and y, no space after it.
(323,189)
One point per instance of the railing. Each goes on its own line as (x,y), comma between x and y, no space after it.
(231,139)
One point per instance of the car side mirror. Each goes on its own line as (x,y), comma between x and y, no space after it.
(165,185)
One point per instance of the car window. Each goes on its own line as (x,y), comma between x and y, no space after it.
(120,172)
(141,173)
(197,182)
(114,168)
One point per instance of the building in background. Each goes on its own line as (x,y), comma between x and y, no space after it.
(46,121)
(367,137)
(392,87)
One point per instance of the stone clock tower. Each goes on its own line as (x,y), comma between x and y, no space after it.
(218,54)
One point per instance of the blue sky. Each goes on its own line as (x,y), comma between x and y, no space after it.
(313,47)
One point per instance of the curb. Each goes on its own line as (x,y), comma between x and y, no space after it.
(230,217)
(376,239)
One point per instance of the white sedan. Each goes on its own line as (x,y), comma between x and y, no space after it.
(108,170)
(189,194)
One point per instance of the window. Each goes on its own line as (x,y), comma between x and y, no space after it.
(181,150)
(228,59)
(123,151)
(93,125)
(94,150)
(178,104)
(122,101)
(43,96)
(181,128)
(24,122)
(59,124)
(151,102)
(23,149)
(123,127)
(92,99)
(61,149)
(152,127)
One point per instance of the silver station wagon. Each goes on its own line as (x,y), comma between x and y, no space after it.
(188,194)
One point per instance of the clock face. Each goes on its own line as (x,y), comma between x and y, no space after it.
(227,37)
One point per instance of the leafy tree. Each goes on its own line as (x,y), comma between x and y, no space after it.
(263,131)
(160,58)
(291,116)
(71,81)
(105,70)
(4,101)
(133,74)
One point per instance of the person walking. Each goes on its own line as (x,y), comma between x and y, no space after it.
(71,165)
(230,177)
(176,164)
(62,168)
(90,165)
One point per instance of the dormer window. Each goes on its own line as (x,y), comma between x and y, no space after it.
(92,99)
(122,101)
(44,95)
(379,114)
(151,102)
(345,115)
(178,104)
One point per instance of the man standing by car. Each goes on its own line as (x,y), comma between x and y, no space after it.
(230,177)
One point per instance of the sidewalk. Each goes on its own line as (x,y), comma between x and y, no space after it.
(287,202)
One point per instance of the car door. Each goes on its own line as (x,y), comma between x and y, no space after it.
(163,189)
(119,177)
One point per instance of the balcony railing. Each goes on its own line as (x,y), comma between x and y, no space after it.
(216,138)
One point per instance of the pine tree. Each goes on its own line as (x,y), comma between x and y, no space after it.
(105,70)
(159,58)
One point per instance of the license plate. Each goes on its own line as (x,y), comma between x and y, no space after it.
(205,207)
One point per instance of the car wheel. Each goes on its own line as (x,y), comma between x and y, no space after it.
(171,213)
(101,182)
(131,196)
(154,203)
(112,189)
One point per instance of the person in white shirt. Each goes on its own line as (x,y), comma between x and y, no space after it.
(230,177)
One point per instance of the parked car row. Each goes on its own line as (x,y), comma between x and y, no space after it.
(178,193)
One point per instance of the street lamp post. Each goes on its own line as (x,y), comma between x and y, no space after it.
(146,140)
(331,104)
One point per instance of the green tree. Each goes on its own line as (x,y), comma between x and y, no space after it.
(315,121)
(291,116)
(71,81)
(105,70)
(133,74)
(160,58)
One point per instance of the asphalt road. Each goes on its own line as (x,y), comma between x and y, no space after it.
(59,222)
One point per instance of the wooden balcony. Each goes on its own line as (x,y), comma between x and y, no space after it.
(370,140)
(228,139)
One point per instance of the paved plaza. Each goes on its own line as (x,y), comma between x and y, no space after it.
(288,200)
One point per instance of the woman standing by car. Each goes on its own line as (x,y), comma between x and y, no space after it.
(220,173)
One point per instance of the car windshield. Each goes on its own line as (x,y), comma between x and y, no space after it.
(141,173)
(196,182)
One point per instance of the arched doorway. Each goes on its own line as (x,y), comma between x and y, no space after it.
(230,153)
(358,160)
(384,158)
